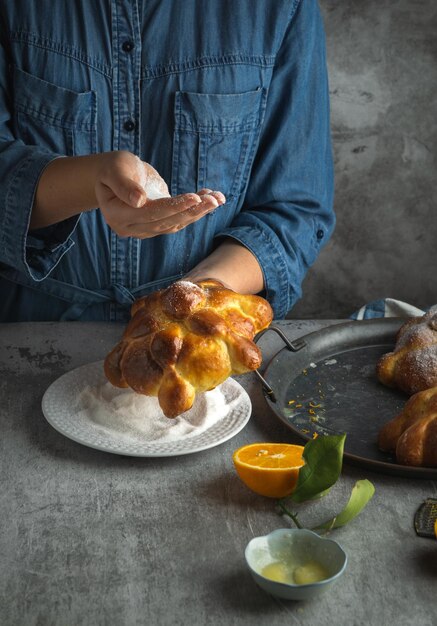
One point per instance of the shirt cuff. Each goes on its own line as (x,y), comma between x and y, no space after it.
(37,253)
(280,290)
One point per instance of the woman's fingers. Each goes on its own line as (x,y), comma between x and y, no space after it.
(125,188)
(164,208)
(177,222)
(118,211)
(178,213)
(217,195)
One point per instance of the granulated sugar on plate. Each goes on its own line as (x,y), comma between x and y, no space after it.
(135,417)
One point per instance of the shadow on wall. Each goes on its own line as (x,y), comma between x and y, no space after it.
(382,59)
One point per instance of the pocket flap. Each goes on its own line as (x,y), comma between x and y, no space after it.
(60,107)
(220,113)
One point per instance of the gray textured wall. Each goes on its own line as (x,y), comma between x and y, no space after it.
(382,57)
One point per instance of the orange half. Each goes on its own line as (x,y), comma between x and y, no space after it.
(269,469)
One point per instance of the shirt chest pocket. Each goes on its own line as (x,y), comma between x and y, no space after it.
(52,117)
(215,140)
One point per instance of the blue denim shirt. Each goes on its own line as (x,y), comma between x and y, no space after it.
(221,94)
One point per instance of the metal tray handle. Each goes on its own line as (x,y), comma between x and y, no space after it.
(293,346)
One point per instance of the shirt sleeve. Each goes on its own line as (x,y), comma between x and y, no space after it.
(36,253)
(287,215)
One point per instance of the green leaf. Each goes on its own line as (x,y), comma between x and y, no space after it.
(323,461)
(362,492)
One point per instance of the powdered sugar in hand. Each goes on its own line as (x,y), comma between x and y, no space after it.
(152,183)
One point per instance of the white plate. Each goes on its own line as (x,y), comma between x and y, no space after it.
(61,409)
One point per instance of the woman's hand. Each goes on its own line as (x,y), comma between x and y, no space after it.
(132,196)
(135,201)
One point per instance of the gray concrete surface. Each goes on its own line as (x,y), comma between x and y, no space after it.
(90,538)
(382,57)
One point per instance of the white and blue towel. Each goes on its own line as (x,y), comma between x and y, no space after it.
(386,307)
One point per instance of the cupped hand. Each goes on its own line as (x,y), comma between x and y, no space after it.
(135,201)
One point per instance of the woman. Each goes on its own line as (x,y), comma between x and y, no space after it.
(223,96)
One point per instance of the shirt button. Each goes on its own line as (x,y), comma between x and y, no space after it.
(129,125)
(320,234)
(127,46)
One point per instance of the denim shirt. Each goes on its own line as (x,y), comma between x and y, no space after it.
(230,95)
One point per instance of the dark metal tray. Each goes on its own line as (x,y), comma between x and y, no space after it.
(325,383)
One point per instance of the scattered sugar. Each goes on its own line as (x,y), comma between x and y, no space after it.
(182,297)
(417,335)
(137,418)
(182,199)
(186,284)
(422,363)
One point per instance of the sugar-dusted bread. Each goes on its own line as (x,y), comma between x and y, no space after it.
(412,366)
(412,434)
(185,339)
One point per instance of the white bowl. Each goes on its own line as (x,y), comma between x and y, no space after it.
(296,547)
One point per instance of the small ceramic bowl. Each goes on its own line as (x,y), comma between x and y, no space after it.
(299,554)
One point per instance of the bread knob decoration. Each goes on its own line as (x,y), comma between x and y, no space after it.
(412,434)
(412,366)
(185,339)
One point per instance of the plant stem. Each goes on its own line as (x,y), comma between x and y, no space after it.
(290,514)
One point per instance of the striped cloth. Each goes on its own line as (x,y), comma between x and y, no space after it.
(386,307)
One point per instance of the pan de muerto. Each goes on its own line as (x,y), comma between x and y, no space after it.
(185,339)
(412,366)
(412,434)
